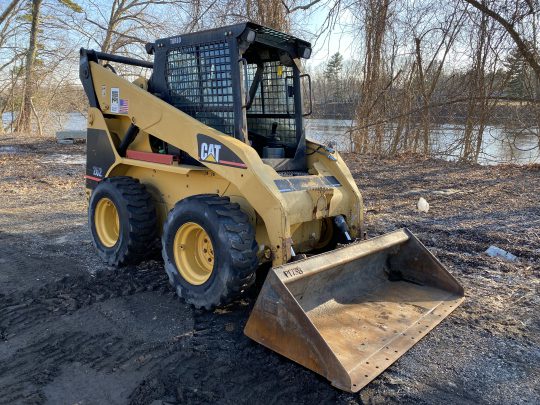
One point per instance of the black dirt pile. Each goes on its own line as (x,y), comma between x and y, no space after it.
(74,331)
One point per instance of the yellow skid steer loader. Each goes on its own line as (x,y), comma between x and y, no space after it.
(209,154)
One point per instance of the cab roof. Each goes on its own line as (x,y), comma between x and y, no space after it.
(269,37)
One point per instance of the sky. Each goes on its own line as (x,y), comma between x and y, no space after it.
(337,39)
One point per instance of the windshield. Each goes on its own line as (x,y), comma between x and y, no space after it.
(271,110)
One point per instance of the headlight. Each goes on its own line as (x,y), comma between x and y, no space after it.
(250,36)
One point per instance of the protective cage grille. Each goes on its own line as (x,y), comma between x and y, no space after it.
(200,84)
(272,98)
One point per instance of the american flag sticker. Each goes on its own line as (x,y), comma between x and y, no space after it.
(124,106)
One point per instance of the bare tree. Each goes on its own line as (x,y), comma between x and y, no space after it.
(125,26)
(518,11)
(23,120)
(272,13)
(483,82)
(375,28)
(429,72)
(27,107)
(9,74)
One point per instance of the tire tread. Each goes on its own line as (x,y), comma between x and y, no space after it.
(242,247)
(142,221)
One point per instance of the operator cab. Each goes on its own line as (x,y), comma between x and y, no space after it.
(244,80)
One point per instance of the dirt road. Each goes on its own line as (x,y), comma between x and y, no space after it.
(74,331)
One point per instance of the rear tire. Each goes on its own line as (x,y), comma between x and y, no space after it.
(328,239)
(199,229)
(122,220)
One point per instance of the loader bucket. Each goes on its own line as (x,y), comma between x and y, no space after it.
(350,313)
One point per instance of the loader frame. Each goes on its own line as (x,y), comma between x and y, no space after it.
(285,211)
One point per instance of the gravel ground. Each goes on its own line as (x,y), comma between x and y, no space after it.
(74,331)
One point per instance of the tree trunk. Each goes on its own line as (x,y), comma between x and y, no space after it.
(371,104)
(36,116)
(24,119)
(111,25)
(271,13)
(426,99)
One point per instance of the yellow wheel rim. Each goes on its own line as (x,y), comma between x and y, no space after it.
(107,222)
(193,253)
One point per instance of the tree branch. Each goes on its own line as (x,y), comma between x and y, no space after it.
(529,55)
(8,10)
(136,39)
(304,7)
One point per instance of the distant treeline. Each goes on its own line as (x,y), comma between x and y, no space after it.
(503,112)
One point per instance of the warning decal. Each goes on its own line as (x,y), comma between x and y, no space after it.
(115,100)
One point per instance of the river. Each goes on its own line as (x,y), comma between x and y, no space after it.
(499,145)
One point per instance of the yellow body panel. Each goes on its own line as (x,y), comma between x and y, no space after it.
(280,219)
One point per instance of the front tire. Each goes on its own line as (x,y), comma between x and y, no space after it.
(122,220)
(209,250)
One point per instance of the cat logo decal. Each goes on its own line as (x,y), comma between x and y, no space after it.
(212,151)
